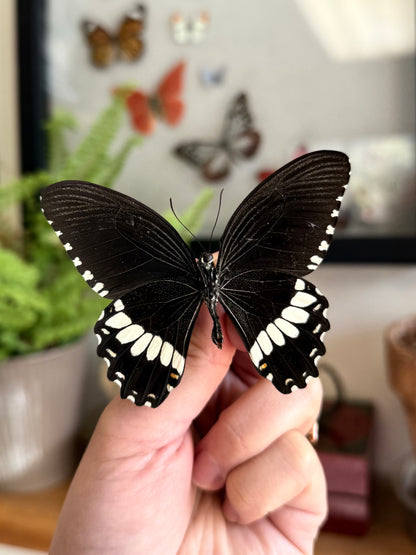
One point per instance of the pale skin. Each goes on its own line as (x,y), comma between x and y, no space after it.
(253,484)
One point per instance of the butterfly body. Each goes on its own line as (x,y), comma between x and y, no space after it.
(211,293)
(127,252)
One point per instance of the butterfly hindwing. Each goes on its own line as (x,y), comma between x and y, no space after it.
(281,320)
(144,338)
(211,159)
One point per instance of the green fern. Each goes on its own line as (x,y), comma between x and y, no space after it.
(44,302)
(93,150)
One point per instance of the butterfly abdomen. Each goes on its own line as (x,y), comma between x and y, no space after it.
(210,293)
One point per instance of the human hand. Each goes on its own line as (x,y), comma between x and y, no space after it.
(252,484)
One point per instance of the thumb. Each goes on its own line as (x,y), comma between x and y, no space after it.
(205,367)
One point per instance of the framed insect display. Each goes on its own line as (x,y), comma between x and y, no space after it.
(294,96)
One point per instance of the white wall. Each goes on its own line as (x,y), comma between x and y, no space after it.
(364,300)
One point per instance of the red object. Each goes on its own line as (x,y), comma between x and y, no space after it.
(344,449)
(166,103)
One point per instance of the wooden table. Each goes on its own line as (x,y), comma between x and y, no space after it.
(29,519)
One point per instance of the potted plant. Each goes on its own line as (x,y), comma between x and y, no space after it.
(46,308)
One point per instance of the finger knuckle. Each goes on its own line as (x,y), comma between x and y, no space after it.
(236,436)
(242,496)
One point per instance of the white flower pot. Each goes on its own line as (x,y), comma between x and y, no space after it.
(40,405)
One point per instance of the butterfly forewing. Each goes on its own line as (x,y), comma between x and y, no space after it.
(287,222)
(115,242)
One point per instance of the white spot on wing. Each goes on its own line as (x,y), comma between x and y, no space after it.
(299,285)
(287,328)
(275,334)
(119,305)
(335,213)
(323,246)
(87,275)
(98,286)
(295,315)
(98,338)
(141,344)
(67,246)
(130,333)
(302,299)
(264,341)
(103,293)
(154,348)
(166,353)
(118,321)
(330,230)
(178,362)
(77,261)
(316,259)
(255,354)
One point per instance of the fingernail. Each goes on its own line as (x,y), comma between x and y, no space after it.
(229,511)
(206,473)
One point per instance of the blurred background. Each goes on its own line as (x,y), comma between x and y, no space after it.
(337,75)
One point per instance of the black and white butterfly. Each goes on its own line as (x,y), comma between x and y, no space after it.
(128,253)
(239,140)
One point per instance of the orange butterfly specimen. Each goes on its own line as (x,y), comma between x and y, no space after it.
(125,45)
(166,103)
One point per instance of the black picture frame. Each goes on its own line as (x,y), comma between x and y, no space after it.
(33,101)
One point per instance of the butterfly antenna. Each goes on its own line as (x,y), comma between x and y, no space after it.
(216,220)
(184,226)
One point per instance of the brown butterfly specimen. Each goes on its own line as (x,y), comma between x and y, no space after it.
(126,44)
